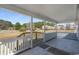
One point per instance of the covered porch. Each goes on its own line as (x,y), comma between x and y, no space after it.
(48,39)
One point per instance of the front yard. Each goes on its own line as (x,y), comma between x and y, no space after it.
(9,34)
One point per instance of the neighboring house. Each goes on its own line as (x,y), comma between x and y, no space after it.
(66,26)
(48,27)
(60,27)
(11,28)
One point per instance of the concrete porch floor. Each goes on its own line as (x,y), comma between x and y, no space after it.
(36,51)
(70,46)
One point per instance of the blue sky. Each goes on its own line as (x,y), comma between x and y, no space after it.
(14,17)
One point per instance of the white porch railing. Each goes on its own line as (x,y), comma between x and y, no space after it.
(15,46)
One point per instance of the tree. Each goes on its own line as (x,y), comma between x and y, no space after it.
(38,24)
(17,26)
(22,29)
(24,25)
(50,23)
(9,24)
(5,24)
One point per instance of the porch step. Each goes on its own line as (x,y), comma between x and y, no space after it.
(44,46)
(57,51)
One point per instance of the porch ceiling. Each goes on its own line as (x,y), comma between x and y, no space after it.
(55,12)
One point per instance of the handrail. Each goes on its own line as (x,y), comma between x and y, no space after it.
(28,33)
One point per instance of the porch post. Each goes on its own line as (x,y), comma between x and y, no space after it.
(44,31)
(77,21)
(31,31)
(56,30)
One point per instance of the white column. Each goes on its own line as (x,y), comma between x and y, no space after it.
(77,21)
(31,31)
(56,31)
(44,31)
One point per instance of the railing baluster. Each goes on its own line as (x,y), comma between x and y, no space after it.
(3,49)
(13,46)
(9,47)
(17,44)
(6,49)
(0,49)
(22,43)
